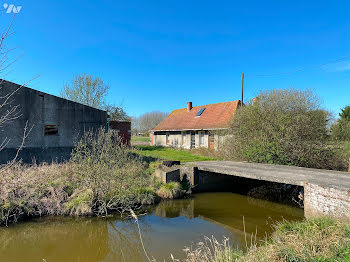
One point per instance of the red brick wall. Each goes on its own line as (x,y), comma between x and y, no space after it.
(124,130)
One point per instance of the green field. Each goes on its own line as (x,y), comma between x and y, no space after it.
(140,139)
(167,153)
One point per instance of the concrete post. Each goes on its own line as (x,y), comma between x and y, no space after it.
(190,173)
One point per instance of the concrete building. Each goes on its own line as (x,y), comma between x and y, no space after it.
(194,127)
(56,124)
(123,128)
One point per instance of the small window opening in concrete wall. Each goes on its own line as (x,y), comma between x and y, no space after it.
(51,130)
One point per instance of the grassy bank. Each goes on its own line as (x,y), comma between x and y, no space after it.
(168,153)
(318,239)
(102,176)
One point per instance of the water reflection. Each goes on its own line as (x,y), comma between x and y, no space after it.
(166,229)
(55,239)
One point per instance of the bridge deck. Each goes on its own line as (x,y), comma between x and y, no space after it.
(277,173)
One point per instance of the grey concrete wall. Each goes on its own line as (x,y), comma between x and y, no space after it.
(168,175)
(322,200)
(159,140)
(204,181)
(188,173)
(37,155)
(213,182)
(39,109)
(186,140)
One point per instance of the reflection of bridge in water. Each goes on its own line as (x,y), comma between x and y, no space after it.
(228,210)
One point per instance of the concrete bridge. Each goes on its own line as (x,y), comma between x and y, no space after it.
(325,192)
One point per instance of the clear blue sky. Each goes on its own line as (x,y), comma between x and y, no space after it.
(157,55)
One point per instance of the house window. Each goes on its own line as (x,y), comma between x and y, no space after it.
(183,138)
(200,112)
(201,138)
(51,130)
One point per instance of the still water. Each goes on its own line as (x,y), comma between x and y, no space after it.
(166,229)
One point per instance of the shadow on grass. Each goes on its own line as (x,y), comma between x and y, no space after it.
(147,159)
(151,148)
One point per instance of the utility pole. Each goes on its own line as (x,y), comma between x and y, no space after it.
(242,88)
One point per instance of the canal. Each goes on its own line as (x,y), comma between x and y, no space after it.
(166,229)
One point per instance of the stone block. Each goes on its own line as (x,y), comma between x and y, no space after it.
(166,175)
(326,201)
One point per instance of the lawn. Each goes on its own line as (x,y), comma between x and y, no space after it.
(140,139)
(167,153)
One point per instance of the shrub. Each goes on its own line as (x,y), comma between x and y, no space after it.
(341,129)
(170,190)
(34,191)
(285,127)
(104,165)
(101,176)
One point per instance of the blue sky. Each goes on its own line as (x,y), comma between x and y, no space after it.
(157,55)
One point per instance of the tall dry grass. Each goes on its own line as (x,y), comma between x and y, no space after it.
(211,250)
(34,191)
(319,239)
(101,176)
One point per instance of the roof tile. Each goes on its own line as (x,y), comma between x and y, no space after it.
(215,116)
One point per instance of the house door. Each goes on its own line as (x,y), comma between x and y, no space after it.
(193,139)
(211,141)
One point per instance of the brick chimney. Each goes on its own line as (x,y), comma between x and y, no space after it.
(189,106)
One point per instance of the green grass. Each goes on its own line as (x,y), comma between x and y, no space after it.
(312,240)
(167,153)
(317,239)
(140,139)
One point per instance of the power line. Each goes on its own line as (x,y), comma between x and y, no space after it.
(301,69)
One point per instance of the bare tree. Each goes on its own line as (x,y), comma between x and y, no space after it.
(86,89)
(117,113)
(147,121)
(8,110)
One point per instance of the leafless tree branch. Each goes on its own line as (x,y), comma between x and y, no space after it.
(9,111)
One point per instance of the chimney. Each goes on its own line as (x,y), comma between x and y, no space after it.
(189,106)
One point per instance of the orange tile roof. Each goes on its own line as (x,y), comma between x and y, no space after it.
(215,116)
